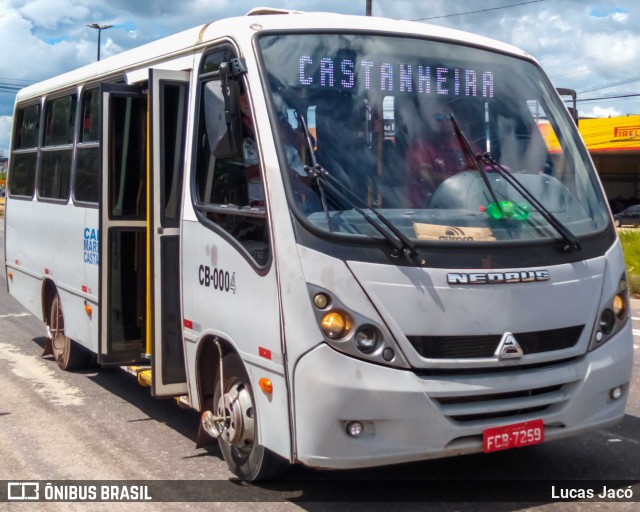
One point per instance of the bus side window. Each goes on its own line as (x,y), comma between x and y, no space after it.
(22,177)
(229,191)
(54,177)
(86,178)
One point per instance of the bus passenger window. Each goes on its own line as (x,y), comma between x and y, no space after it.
(54,177)
(86,178)
(230,191)
(22,177)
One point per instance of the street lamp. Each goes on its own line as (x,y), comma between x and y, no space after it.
(99,28)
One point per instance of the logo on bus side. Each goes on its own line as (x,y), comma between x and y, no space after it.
(91,246)
(519,276)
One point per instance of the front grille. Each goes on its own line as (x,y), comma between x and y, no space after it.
(456,400)
(493,370)
(493,406)
(484,346)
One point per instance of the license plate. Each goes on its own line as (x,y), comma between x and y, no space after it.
(513,436)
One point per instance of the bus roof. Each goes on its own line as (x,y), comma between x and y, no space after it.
(242,29)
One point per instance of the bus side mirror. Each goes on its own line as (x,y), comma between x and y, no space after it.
(573,109)
(222,115)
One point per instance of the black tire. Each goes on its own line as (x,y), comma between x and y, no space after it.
(68,354)
(245,458)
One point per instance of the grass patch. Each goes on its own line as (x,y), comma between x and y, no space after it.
(631,247)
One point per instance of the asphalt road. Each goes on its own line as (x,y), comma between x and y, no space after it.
(100,425)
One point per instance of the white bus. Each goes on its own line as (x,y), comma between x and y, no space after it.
(346,241)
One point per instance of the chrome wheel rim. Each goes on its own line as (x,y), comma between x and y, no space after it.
(238,426)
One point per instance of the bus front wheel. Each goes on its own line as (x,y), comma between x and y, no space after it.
(67,353)
(246,458)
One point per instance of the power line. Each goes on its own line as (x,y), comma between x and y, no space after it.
(13,85)
(9,88)
(612,84)
(17,80)
(622,64)
(479,11)
(615,97)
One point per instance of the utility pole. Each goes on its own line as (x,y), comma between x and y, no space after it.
(99,28)
(369,2)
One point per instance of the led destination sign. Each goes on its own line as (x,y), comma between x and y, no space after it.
(343,74)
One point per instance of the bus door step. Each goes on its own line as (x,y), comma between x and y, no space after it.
(142,373)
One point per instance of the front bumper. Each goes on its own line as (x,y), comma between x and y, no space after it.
(409,417)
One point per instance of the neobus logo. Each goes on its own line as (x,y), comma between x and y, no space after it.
(520,276)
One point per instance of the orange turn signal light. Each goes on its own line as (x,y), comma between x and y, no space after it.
(87,309)
(266,385)
(336,324)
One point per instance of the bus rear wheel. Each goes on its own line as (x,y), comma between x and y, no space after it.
(68,354)
(244,456)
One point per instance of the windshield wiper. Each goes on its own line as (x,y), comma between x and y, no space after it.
(571,242)
(315,170)
(401,244)
(472,158)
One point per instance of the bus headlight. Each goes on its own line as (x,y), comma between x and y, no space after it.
(607,322)
(352,333)
(336,325)
(321,300)
(620,305)
(366,339)
(613,317)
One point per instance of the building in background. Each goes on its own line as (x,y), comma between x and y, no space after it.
(614,145)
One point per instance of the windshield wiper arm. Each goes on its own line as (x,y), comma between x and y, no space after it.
(315,170)
(472,157)
(401,244)
(571,241)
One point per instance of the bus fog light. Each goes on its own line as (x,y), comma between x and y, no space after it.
(388,354)
(616,393)
(367,339)
(354,428)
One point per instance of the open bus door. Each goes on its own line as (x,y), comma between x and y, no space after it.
(123,225)
(168,120)
(140,208)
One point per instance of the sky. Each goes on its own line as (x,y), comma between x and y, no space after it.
(590,46)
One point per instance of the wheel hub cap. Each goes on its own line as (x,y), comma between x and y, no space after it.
(236,407)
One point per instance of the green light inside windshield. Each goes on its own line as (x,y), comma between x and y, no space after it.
(506,210)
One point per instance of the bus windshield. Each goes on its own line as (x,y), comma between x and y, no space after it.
(419,130)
